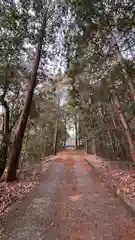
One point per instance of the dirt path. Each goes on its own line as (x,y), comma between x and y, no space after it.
(71,203)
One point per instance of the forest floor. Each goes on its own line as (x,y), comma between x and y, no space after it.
(13,192)
(119,175)
(70,202)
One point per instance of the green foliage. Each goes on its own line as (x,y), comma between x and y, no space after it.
(41,128)
(102,70)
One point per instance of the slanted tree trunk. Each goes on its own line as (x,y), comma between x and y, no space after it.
(126,128)
(17,144)
(5,140)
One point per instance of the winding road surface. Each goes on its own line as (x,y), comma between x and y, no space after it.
(72,203)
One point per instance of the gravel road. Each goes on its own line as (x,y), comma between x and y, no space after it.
(72,203)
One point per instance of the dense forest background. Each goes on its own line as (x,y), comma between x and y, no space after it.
(66,63)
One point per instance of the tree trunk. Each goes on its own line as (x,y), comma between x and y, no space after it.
(55,138)
(86,145)
(126,128)
(5,140)
(17,144)
(116,133)
(76,137)
(93,146)
(79,134)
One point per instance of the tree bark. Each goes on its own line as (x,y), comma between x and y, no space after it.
(17,144)
(115,132)
(126,128)
(86,145)
(55,138)
(76,132)
(93,146)
(5,140)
